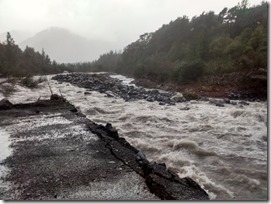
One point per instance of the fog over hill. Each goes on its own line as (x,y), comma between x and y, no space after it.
(17,35)
(65,46)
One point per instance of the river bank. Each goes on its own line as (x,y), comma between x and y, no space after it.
(113,87)
(236,86)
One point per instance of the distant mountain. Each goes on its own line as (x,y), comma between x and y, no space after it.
(17,35)
(64,46)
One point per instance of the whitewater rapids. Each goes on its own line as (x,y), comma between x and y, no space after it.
(224,149)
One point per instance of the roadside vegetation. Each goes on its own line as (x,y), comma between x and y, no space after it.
(31,82)
(17,66)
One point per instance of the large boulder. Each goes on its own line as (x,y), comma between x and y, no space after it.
(217,102)
(178,98)
(110,94)
(5,104)
(55,97)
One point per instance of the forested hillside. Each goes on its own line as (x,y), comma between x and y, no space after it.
(189,50)
(15,62)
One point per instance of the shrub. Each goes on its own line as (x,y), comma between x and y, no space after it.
(219,67)
(12,80)
(30,82)
(7,89)
(190,72)
(41,79)
(190,95)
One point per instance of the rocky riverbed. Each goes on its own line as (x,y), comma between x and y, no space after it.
(113,87)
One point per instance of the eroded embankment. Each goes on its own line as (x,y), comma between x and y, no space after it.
(60,154)
(219,143)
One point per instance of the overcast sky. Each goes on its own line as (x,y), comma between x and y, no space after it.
(119,21)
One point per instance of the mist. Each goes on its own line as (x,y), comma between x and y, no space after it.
(97,26)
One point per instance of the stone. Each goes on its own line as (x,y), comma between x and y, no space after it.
(220,105)
(171,103)
(185,108)
(154,92)
(217,102)
(140,156)
(5,104)
(243,103)
(110,94)
(55,97)
(204,99)
(194,102)
(226,100)
(150,99)
(178,98)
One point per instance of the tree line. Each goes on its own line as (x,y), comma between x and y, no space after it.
(28,62)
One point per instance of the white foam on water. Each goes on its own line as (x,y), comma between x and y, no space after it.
(208,143)
(125,80)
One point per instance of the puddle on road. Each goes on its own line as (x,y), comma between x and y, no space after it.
(4,153)
(4,145)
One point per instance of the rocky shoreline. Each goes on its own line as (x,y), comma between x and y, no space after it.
(255,92)
(113,87)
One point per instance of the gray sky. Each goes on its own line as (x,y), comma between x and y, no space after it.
(110,20)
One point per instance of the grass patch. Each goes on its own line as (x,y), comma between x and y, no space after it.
(30,82)
(7,89)
(189,94)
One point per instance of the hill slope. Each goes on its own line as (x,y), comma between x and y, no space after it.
(65,46)
(222,50)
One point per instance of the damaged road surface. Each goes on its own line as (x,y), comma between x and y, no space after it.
(59,154)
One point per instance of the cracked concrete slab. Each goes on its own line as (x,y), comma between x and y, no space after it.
(58,154)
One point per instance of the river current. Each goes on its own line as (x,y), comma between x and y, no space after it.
(224,149)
